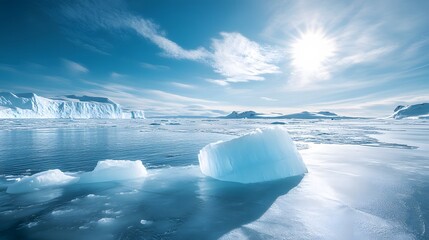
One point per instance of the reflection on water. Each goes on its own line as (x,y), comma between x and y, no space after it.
(171,203)
(79,149)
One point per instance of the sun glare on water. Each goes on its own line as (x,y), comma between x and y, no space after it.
(311,51)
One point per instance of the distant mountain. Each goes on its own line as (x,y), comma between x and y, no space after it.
(416,111)
(311,115)
(245,114)
(30,105)
(301,115)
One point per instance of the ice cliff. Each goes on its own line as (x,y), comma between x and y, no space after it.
(30,105)
(262,155)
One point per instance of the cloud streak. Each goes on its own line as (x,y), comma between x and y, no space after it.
(74,67)
(240,59)
(233,56)
(149,30)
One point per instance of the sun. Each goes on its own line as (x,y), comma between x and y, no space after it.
(311,51)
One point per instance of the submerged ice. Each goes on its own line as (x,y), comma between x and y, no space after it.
(105,171)
(262,155)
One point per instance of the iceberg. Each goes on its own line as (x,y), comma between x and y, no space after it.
(263,155)
(114,170)
(42,180)
(415,111)
(30,105)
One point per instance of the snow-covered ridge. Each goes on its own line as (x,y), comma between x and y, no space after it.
(30,105)
(301,115)
(417,111)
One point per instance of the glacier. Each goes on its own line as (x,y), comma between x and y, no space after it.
(30,105)
(411,111)
(262,155)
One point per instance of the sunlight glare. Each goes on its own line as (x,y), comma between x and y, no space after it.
(311,51)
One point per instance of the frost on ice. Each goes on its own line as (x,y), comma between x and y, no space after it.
(42,180)
(114,170)
(262,155)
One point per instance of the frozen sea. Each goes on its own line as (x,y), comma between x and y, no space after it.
(367,179)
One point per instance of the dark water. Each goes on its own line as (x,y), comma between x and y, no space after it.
(79,149)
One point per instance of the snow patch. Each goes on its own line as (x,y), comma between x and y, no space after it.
(262,155)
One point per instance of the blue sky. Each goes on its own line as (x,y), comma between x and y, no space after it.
(358,58)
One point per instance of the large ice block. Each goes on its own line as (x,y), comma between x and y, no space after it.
(262,155)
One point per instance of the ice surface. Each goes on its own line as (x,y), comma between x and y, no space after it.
(364,182)
(42,180)
(262,155)
(30,105)
(114,170)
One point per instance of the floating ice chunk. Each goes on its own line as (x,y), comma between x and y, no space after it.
(262,155)
(114,170)
(145,222)
(46,179)
(105,220)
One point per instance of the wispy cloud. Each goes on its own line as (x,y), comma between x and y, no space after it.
(150,31)
(55,79)
(363,32)
(154,66)
(7,68)
(117,75)
(183,85)
(74,67)
(175,97)
(97,46)
(269,99)
(233,56)
(240,59)
(153,102)
(219,82)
